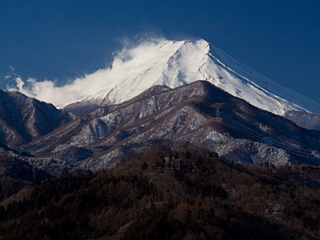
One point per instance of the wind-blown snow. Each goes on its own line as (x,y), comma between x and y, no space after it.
(171,63)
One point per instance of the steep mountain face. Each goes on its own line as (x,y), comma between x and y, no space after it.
(175,63)
(24,119)
(198,113)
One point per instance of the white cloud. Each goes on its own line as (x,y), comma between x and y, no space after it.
(89,84)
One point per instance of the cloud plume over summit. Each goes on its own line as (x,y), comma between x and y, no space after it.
(80,88)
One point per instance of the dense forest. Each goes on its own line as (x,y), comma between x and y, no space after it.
(191,194)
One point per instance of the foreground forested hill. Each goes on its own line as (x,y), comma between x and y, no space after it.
(169,195)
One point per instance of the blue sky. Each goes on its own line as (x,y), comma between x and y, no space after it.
(61,40)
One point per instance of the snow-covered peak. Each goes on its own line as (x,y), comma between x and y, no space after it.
(172,63)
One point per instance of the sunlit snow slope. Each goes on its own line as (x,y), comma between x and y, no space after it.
(174,63)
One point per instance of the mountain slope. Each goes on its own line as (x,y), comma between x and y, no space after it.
(198,113)
(175,63)
(24,119)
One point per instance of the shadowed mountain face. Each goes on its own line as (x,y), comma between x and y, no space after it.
(24,119)
(198,113)
(307,120)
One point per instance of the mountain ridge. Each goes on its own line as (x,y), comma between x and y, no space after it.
(24,119)
(197,113)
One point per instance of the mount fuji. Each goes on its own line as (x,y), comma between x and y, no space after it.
(175,63)
(152,96)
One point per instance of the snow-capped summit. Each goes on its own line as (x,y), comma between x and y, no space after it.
(175,63)
(170,63)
